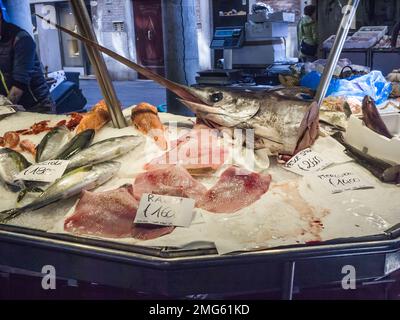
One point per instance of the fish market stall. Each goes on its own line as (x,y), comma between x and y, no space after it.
(263,190)
(272,219)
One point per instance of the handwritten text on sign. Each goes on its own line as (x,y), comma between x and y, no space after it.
(165,210)
(4,110)
(346,181)
(47,171)
(307,161)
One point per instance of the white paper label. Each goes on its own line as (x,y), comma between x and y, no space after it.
(4,110)
(307,161)
(165,210)
(337,182)
(47,171)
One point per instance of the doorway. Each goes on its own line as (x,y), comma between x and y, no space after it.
(73,52)
(149,35)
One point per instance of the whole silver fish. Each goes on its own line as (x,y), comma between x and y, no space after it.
(276,116)
(12,163)
(76,144)
(105,150)
(71,184)
(52,143)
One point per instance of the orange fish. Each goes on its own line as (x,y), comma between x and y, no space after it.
(95,119)
(145,119)
(28,146)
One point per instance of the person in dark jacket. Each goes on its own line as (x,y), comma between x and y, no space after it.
(21,74)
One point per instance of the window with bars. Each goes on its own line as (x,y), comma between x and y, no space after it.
(118,26)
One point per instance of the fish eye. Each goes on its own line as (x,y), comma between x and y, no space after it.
(216,97)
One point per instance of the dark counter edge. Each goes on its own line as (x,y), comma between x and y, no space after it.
(177,273)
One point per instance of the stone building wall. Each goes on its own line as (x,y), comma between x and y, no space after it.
(113,23)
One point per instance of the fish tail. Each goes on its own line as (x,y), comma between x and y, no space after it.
(22,194)
(9,214)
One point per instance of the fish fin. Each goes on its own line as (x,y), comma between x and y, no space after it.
(293,93)
(21,195)
(347,109)
(12,188)
(25,191)
(373,119)
(309,128)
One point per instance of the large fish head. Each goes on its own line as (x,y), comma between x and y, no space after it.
(222,107)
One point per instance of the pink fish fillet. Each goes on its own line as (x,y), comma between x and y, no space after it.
(170,180)
(236,189)
(196,150)
(111,214)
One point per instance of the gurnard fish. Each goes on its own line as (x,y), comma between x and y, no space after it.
(52,144)
(281,119)
(95,119)
(104,151)
(12,163)
(145,118)
(71,184)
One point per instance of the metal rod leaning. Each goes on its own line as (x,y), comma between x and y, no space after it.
(103,77)
(336,50)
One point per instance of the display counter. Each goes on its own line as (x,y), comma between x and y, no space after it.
(384,60)
(297,234)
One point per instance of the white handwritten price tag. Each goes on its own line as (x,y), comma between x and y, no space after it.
(338,182)
(307,161)
(4,110)
(47,171)
(165,210)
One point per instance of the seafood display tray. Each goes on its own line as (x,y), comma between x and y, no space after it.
(180,273)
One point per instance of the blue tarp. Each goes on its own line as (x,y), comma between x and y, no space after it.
(372,84)
(4,10)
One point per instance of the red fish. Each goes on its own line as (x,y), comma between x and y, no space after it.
(199,152)
(235,190)
(172,181)
(111,214)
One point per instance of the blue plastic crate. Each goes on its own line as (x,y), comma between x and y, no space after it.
(68,98)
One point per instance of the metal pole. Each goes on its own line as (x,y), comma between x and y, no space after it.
(103,77)
(334,55)
(228,59)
